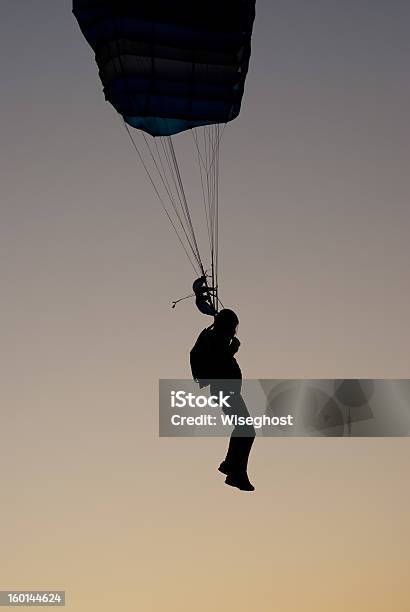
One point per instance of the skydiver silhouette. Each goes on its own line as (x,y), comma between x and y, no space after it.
(203,296)
(213,362)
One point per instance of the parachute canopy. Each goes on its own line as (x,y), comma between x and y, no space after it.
(168,66)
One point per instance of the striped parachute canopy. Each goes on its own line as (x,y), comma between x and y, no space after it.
(170,65)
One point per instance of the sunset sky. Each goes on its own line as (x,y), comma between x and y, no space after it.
(315,259)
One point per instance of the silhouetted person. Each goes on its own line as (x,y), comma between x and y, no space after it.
(212,362)
(203,298)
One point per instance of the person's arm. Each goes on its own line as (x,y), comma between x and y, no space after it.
(234,346)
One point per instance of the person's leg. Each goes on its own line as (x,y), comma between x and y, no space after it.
(236,461)
(205,306)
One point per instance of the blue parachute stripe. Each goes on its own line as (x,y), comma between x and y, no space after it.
(124,47)
(137,85)
(170,34)
(210,111)
(163,126)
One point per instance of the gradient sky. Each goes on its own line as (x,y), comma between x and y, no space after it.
(315,256)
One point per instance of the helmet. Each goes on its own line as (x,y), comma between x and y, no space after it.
(226,322)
